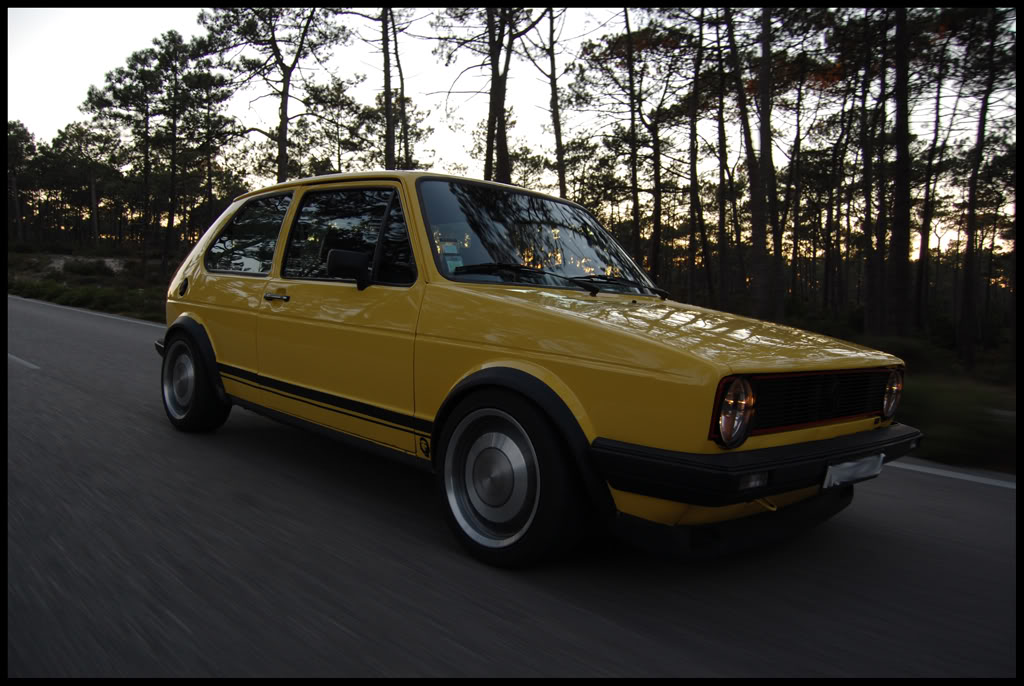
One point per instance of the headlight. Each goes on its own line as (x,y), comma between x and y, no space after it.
(735,413)
(893,391)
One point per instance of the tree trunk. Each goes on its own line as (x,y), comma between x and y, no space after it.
(759,269)
(494,39)
(503,163)
(928,210)
(94,219)
(402,115)
(19,227)
(868,155)
(172,210)
(833,299)
(389,117)
(793,178)
(774,307)
(209,171)
(880,304)
(556,116)
(723,236)
(282,130)
(986,329)
(696,211)
(967,329)
(147,209)
(899,251)
(634,185)
(656,233)
(739,234)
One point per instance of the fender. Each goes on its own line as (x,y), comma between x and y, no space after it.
(197,333)
(552,405)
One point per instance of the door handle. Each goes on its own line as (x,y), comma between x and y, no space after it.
(275,296)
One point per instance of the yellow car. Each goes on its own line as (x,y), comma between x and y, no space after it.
(501,338)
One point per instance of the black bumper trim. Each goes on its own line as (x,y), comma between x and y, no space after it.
(714,480)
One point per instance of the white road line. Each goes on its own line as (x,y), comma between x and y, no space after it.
(13,358)
(955,475)
(98,314)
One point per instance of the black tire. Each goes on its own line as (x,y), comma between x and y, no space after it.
(509,491)
(190,399)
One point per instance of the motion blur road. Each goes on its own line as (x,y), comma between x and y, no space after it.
(261,550)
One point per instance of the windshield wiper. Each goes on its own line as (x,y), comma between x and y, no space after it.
(493,267)
(628,282)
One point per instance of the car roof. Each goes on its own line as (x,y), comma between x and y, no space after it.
(391,175)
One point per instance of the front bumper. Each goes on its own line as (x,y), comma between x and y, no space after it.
(717,480)
(736,535)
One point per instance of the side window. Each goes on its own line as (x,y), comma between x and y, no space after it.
(350,220)
(396,265)
(246,245)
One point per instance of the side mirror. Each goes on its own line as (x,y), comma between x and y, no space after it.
(348,264)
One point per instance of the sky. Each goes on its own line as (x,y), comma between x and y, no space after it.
(55,54)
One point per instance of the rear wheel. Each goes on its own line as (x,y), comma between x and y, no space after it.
(509,492)
(190,400)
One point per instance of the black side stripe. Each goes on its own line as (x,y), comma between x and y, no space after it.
(324,407)
(324,429)
(402,421)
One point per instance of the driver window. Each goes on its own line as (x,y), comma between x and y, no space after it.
(350,219)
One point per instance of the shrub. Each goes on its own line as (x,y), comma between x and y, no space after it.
(62,298)
(49,290)
(108,300)
(920,356)
(88,268)
(964,422)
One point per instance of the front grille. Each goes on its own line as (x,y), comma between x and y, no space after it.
(785,401)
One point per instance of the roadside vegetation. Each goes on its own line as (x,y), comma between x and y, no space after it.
(88,282)
(969,418)
(966,422)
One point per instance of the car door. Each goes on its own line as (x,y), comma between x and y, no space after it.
(333,354)
(228,291)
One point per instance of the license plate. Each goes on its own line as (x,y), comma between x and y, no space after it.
(855,470)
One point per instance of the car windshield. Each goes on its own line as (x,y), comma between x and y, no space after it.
(487,233)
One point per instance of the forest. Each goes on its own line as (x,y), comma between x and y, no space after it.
(848,170)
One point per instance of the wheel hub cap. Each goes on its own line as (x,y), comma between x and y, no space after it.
(183,380)
(491,478)
(179,380)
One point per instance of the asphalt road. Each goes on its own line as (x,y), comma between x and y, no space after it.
(133,549)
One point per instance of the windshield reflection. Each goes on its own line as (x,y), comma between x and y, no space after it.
(478,224)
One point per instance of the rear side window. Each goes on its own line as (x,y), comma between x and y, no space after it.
(247,244)
(366,220)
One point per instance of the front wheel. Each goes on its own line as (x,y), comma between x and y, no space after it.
(509,491)
(190,400)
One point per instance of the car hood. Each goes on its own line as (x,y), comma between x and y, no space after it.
(733,343)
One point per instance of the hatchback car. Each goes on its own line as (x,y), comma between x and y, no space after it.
(501,338)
